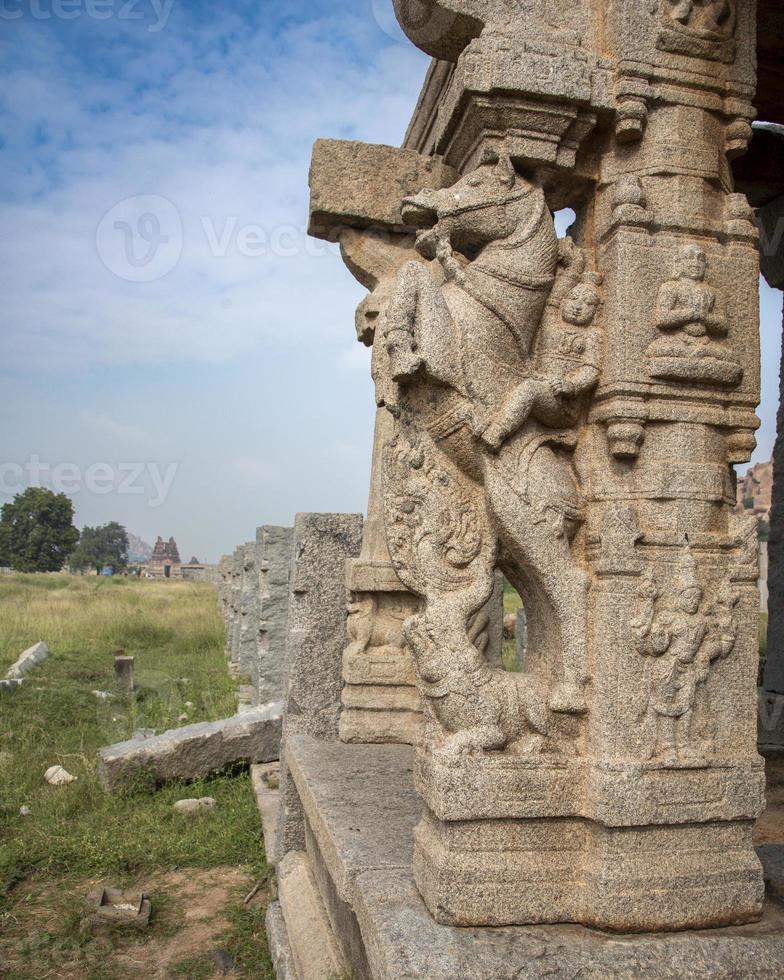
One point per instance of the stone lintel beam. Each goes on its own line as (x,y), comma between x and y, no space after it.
(360,185)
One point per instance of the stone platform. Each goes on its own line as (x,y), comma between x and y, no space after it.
(361,809)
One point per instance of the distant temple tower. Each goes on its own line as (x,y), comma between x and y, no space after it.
(165,561)
(755,490)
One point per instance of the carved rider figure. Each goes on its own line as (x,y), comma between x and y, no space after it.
(571,357)
(465,340)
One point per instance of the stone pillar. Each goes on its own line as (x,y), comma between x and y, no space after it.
(247,630)
(224,588)
(274,570)
(123,672)
(233,634)
(571,412)
(316,638)
(355,196)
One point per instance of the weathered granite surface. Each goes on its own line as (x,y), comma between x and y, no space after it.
(248,612)
(356,191)
(568,411)
(358,185)
(195,750)
(275,560)
(264,779)
(315,952)
(361,810)
(253,596)
(278,943)
(315,642)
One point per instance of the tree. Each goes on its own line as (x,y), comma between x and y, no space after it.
(101,546)
(36,531)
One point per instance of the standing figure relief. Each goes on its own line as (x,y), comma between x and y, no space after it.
(681,636)
(492,354)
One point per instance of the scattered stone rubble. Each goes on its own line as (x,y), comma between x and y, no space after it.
(31,658)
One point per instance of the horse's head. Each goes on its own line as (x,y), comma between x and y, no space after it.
(471,213)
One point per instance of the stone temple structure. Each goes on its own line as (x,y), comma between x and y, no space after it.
(165,560)
(755,489)
(567,411)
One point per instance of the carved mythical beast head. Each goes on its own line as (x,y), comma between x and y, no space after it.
(474,211)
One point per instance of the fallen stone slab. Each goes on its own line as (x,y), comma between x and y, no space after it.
(195,750)
(33,656)
(8,686)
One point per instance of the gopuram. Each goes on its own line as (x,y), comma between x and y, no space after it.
(565,412)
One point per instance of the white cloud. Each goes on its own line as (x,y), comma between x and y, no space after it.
(216,118)
(124,433)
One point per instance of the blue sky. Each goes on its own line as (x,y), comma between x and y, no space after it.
(230,371)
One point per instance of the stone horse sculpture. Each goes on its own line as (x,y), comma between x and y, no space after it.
(461,337)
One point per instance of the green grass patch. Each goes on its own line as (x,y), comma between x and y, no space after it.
(79,832)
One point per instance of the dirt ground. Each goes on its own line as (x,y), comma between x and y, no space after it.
(190,917)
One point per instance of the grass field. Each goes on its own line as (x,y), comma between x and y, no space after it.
(78,834)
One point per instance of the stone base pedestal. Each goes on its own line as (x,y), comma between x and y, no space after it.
(361,810)
(630,847)
(578,871)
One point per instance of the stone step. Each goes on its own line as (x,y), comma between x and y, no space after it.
(314,949)
(381,697)
(361,809)
(267,799)
(369,726)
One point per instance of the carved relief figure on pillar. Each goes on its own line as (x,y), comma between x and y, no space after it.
(480,471)
(570,357)
(693,327)
(680,639)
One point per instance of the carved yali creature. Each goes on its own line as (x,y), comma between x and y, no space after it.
(687,314)
(682,640)
(481,457)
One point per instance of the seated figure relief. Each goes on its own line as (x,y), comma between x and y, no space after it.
(693,328)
